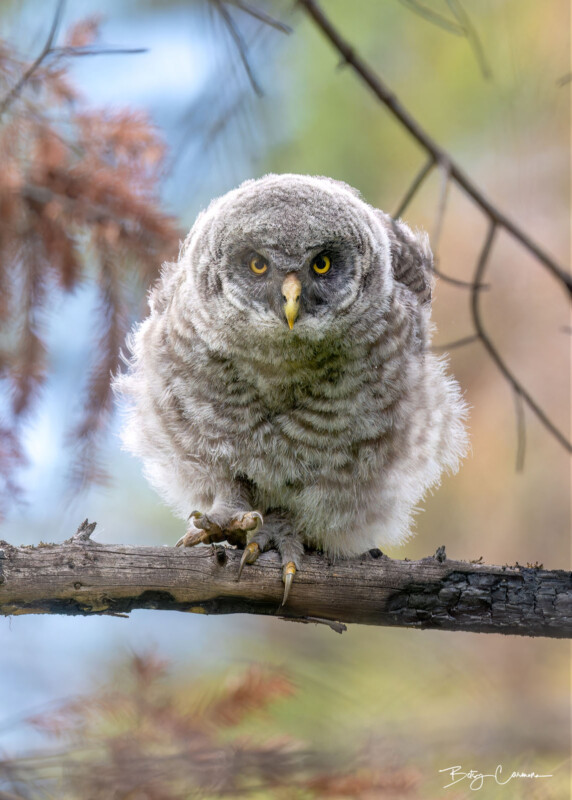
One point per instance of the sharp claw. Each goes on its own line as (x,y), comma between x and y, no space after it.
(288,576)
(191,538)
(196,515)
(259,522)
(241,523)
(251,553)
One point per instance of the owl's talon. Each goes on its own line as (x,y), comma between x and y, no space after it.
(193,537)
(201,531)
(251,553)
(259,521)
(251,521)
(288,576)
(200,521)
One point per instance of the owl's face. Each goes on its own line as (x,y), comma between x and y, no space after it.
(290,255)
(290,289)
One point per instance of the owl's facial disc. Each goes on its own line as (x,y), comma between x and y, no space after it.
(299,286)
(291,291)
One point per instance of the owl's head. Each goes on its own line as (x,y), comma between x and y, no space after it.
(292,255)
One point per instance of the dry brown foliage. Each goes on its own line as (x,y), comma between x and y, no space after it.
(78,202)
(148,740)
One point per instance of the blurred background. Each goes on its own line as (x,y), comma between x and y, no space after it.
(497,98)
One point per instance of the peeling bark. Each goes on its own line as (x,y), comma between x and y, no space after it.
(83,577)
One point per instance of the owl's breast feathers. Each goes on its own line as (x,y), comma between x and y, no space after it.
(311,412)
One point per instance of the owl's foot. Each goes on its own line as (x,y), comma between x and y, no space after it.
(250,522)
(202,531)
(276,535)
(206,530)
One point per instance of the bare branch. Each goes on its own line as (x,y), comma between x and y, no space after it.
(441,208)
(47,49)
(437,155)
(457,281)
(469,31)
(82,577)
(410,194)
(520,430)
(493,352)
(261,15)
(389,99)
(438,227)
(98,51)
(460,26)
(457,343)
(239,42)
(432,16)
(417,181)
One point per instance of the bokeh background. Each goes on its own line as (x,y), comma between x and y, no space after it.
(499,102)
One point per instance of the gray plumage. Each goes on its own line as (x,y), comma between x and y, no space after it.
(333,430)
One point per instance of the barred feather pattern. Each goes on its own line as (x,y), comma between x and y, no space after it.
(342,424)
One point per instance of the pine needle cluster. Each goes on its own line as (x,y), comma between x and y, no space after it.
(79,201)
(149,739)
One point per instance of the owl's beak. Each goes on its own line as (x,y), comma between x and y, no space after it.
(291,291)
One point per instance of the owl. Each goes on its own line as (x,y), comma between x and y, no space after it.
(282,393)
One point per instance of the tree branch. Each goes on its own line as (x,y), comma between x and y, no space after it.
(239,42)
(83,577)
(417,183)
(452,173)
(439,155)
(14,92)
(494,353)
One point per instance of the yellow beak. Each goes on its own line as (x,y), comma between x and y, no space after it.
(291,291)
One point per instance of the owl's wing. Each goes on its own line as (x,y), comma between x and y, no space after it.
(411,258)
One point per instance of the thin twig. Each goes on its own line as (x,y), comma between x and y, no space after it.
(417,182)
(457,343)
(240,44)
(441,208)
(438,227)
(261,15)
(337,627)
(472,37)
(520,430)
(388,98)
(409,195)
(47,49)
(434,17)
(456,281)
(67,50)
(493,352)
(462,26)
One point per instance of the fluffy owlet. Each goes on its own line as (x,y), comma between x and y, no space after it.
(283,384)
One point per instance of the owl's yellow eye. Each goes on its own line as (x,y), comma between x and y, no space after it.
(321,265)
(258,266)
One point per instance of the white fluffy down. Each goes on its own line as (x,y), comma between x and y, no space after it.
(342,424)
